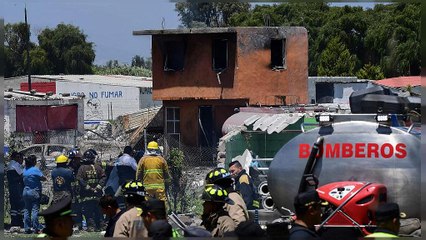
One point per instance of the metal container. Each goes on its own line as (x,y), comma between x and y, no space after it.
(354,151)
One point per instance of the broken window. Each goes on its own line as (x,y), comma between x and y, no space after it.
(220,54)
(173,122)
(278,53)
(174,56)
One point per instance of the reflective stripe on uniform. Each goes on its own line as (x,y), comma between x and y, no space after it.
(381,235)
(153,171)
(176,233)
(139,211)
(154,185)
(255,204)
(42,235)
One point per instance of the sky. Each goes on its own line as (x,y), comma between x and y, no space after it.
(107,23)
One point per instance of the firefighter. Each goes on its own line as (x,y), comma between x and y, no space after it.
(15,181)
(130,223)
(237,211)
(74,163)
(91,180)
(244,185)
(387,218)
(153,172)
(58,219)
(308,213)
(62,177)
(74,160)
(215,218)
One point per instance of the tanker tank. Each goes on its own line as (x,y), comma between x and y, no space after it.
(355,151)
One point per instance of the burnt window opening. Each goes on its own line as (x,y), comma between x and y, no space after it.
(220,54)
(173,122)
(174,56)
(278,53)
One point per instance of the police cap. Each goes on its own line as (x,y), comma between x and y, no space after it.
(58,209)
(306,199)
(154,204)
(387,211)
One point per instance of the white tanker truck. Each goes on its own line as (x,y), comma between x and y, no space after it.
(354,161)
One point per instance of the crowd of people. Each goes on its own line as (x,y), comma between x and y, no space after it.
(129,200)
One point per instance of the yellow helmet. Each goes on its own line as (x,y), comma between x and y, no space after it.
(152,145)
(61,159)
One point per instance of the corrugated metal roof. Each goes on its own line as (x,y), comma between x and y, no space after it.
(269,122)
(117,80)
(140,118)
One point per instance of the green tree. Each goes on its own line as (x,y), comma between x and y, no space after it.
(336,60)
(209,14)
(175,163)
(112,64)
(387,36)
(138,61)
(114,68)
(40,64)
(371,72)
(67,49)
(393,39)
(15,42)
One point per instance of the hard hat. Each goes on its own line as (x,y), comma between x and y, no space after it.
(134,189)
(89,155)
(74,153)
(93,151)
(219,176)
(152,145)
(214,193)
(61,159)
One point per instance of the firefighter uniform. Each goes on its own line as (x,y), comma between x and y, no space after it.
(91,180)
(130,224)
(152,171)
(62,178)
(74,164)
(224,224)
(15,181)
(215,218)
(237,211)
(244,185)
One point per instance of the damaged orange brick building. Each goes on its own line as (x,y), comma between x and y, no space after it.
(203,75)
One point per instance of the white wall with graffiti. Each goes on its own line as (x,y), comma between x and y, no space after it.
(106,102)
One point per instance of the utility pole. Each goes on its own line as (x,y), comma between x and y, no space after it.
(28,51)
